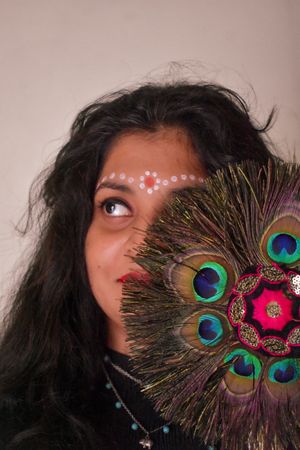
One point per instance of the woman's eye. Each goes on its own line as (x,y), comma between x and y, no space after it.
(115,208)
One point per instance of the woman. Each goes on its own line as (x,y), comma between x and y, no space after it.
(126,154)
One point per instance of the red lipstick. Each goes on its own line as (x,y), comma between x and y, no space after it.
(141,276)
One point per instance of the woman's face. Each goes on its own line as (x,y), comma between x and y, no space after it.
(140,172)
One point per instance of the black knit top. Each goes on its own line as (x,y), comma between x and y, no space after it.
(119,423)
(109,418)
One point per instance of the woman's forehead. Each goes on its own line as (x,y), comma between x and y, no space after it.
(168,152)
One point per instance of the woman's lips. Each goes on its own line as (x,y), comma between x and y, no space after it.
(141,276)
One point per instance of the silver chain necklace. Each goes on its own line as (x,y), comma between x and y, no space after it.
(122,371)
(146,442)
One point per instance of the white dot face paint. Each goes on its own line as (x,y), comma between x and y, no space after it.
(150,180)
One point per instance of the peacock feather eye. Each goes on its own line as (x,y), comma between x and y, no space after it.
(206,330)
(283,378)
(280,242)
(201,277)
(244,364)
(210,282)
(210,329)
(243,374)
(284,248)
(284,371)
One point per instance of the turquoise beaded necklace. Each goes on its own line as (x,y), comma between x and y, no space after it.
(146,442)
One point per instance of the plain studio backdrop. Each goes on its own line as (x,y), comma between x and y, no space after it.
(59,55)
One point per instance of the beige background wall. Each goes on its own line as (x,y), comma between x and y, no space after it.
(58,55)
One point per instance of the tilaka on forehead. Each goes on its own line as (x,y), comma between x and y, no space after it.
(150,181)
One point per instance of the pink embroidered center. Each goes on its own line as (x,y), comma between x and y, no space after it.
(272,309)
(264,310)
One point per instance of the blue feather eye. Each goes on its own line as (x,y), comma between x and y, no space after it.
(210,282)
(210,329)
(285,371)
(200,277)
(283,248)
(205,330)
(245,364)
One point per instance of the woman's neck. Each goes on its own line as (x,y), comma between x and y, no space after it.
(117,338)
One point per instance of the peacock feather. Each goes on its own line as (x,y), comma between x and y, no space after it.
(215,333)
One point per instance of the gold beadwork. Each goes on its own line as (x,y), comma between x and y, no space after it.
(237,310)
(275,346)
(294,337)
(249,335)
(271,273)
(273,309)
(246,284)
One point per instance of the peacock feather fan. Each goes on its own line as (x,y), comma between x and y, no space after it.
(215,333)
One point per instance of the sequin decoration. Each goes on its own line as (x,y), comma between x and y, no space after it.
(272,273)
(295,283)
(247,284)
(237,310)
(294,336)
(275,346)
(248,335)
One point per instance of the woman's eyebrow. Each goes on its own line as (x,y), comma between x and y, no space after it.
(200,186)
(115,186)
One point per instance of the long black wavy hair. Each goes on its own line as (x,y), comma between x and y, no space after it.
(54,336)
